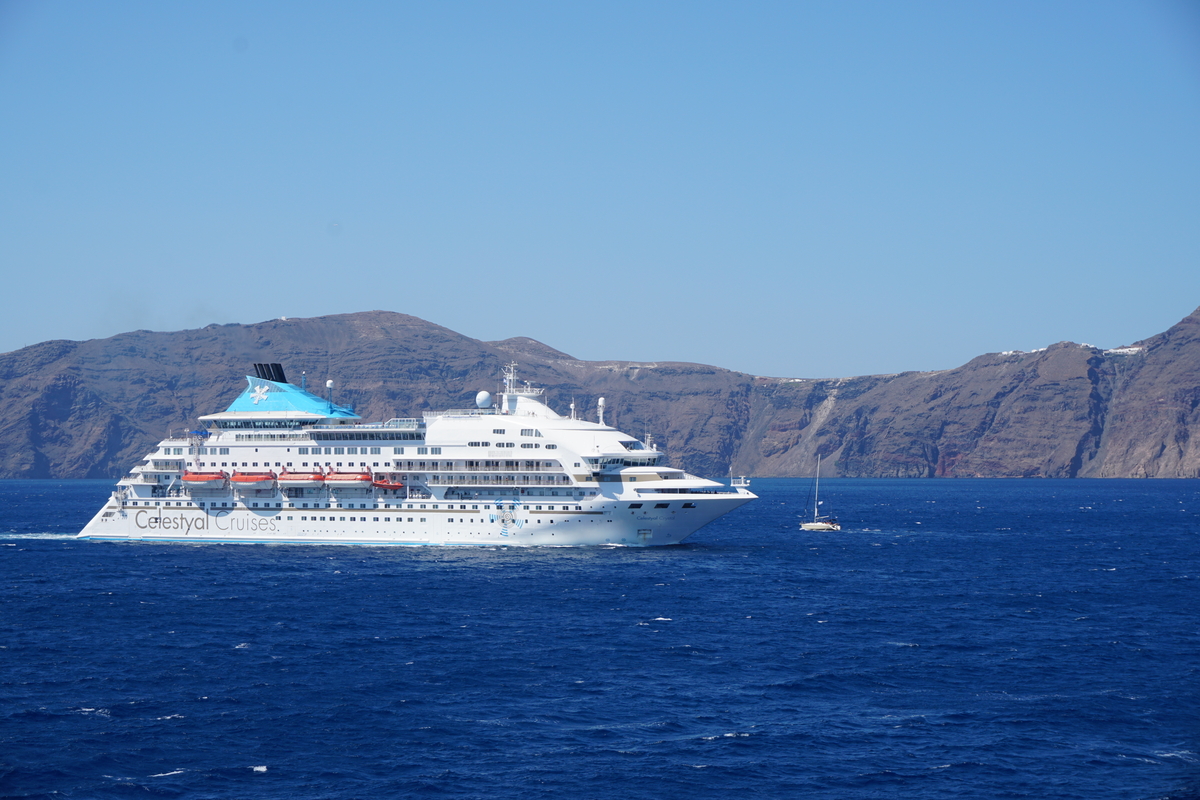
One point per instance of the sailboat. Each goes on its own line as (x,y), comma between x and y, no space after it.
(819,523)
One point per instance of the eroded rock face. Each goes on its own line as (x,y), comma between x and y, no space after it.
(92,409)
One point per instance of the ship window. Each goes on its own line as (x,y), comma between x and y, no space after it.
(689,505)
(224,451)
(435,451)
(337,451)
(422,519)
(537,508)
(579,508)
(288,463)
(499,431)
(662,505)
(302,451)
(397,451)
(551,447)
(375,451)
(422,451)
(635,505)
(302,519)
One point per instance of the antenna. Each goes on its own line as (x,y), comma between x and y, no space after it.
(329,391)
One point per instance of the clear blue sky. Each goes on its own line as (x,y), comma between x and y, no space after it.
(793,189)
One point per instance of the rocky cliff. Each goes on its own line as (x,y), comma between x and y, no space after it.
(90,409)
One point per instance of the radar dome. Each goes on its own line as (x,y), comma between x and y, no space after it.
(483,400)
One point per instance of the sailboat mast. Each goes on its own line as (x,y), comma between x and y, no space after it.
(817,490)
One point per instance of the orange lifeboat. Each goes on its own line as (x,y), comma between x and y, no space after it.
(301,479)
(383,483)
(348,479)
(252,477)
(203,478)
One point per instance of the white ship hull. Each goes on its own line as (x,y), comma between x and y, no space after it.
(604,523)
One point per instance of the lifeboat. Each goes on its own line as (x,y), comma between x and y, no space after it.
(203,478)
(252,477)
(348,479)
(383,483)
(301,480)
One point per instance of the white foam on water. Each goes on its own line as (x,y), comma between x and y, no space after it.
(259,769)
(165,774)
(100,712)
(63,536)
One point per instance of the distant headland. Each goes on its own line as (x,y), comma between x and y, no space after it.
(91,409)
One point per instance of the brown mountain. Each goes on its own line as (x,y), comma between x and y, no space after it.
(90,409)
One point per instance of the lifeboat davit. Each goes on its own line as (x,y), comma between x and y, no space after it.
(344,479)
(203,478)
(252,477)
(301,479)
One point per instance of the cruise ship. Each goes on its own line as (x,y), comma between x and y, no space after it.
(284,465)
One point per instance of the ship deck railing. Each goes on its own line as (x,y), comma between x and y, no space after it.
(460,412)
(462,480)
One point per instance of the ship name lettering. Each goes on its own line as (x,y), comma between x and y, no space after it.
(179,522)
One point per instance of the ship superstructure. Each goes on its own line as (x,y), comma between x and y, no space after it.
(284,465)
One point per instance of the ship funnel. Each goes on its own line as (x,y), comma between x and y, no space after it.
(270,372)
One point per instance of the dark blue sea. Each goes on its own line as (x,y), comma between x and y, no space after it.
(957,639)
